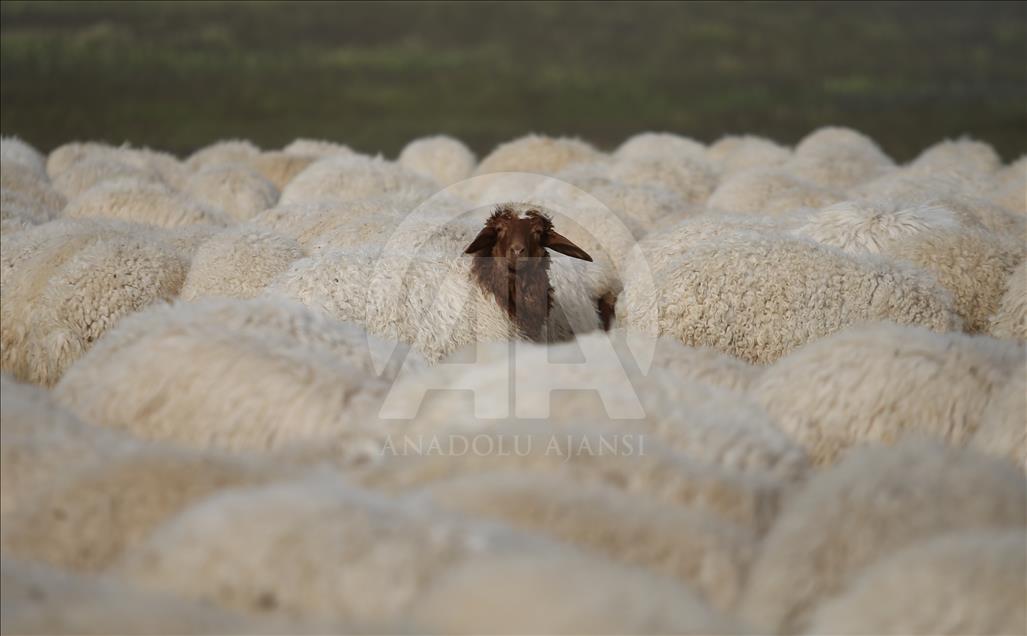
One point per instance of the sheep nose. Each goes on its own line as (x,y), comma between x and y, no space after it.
(516,250)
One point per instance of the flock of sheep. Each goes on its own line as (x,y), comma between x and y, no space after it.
(825,351)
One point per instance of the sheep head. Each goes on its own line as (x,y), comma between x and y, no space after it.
(512,265)
(508,237)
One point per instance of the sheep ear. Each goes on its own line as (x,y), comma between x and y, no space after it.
(485,240)
(562,244)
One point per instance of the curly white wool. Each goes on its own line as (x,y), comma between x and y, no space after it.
(268,377)
(862,227)
(1010,319)
(65,283)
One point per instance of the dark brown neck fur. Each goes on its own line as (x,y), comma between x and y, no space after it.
(526,294)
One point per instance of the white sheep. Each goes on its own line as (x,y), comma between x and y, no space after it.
(279,167)
(961,583)
(270,376)
(903,185)
(861,227)
(365,222)
(1012,186)
(737,153)
(426,300)
(664,145)
(967,199)
(267,318)
(768,191)
(233,188)
(41,442)
(973,210)
(970,210)
(347,177)
(37,599)
(758,297)
(373,233)
(838,158)
(226,152)
(163,165)
(36,191)
(67,155)
(239,262)
(876,501)
(168,167)
(16,151)
(700,422)
(1003,429)
(370,232)
(85,521)
(317,148)
(186,239)
(1010,319)
(640,207)
(693,179)
(664,246)
(876,383)
(151,203)
(19,212)
(308,222)
(973,264)
(965,157)
(15,215)
(561,594)
(640,466)
(441,158)
(94,170)
(702,552)
(65,283)
(314,548)
(538,154)
(700,364)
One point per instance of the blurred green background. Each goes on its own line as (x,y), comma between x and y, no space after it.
(179,75)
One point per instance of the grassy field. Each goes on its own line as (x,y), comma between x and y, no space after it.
(180,75)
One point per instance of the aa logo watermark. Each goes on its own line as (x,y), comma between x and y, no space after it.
(448,313)
(565,447)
